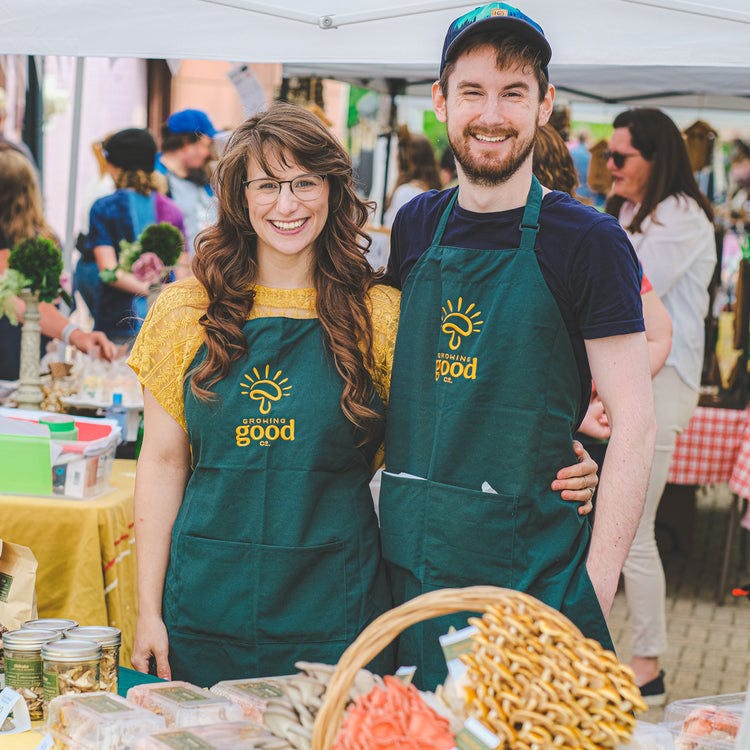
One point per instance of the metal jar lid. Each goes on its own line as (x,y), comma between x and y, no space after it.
(104,635)
(29,640)
(70,650)
(50,623)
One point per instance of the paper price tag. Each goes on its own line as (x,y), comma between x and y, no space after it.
(47,743)
(454,644)
(406,674)
(12,702)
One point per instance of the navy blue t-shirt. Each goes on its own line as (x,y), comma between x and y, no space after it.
(585,257)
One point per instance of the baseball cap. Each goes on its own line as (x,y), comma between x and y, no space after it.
(131,149)
(506,21)
(191,121)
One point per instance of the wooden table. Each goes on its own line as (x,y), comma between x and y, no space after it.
(86,553)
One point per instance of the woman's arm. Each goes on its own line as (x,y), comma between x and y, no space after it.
(106,260)
(658,331)
(163,471)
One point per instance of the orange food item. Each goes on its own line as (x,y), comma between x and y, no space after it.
(395,718)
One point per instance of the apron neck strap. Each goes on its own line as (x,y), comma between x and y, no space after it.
(530,220)
(438,238)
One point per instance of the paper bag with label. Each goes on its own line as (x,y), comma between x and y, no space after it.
(17,590)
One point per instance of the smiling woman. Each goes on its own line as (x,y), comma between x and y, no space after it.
(253,478)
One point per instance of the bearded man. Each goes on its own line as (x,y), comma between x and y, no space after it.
(513,297)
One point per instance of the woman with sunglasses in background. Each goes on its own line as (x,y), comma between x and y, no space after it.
(669,222)
(258,543)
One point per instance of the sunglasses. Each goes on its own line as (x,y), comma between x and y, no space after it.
(618,157)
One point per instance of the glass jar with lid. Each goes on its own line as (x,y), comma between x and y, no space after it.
(60,624)
(23,665)
(109,639)
(70,667)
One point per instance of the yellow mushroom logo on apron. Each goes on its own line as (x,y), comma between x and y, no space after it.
(458,324)
(267,390)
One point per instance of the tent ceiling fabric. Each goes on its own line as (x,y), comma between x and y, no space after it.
(611,50)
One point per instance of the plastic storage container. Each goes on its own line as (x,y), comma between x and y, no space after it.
(251,694)
(23,665)
(59,624)
(70,667)
(109,639)
(649,737)
(241,735)
(98,721)
(710,723)
(184,705)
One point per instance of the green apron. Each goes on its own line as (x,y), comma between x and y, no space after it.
(275,552)
(485,396)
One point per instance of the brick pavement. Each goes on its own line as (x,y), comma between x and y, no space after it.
(709,646)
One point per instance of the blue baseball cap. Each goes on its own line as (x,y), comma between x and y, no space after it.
(505,20)
(191,121)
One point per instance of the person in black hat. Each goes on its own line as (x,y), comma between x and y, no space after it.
(513,295)
(121,305)
(186,148)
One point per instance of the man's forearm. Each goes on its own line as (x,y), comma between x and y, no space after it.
(622,489)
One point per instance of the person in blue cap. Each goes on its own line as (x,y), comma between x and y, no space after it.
(513,296)
(186,148)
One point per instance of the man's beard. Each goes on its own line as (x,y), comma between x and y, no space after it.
(486,172)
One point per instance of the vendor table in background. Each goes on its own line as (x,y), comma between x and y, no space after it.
(86,553)
(715,447)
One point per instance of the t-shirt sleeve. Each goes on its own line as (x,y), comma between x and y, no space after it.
(606,282)
(99,231)
(384,301)
(167,344)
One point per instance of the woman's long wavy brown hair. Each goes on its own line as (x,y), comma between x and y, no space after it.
(226,261)
(21,214)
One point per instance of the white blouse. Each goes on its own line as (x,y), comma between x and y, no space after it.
(677,249)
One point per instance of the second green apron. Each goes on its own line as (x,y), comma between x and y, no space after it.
(275,554)
(485,397)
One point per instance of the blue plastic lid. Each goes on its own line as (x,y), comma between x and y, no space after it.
(117,399)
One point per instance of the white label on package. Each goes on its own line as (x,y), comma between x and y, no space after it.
(47,743)
(11,701)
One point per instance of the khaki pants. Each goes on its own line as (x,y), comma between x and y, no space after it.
(674,404)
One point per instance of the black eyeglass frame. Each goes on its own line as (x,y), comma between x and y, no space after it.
(618,157)
(323,177)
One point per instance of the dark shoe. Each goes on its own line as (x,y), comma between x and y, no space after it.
(653,691)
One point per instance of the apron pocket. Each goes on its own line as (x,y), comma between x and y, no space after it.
(402,501)
(470,537)
(208,588)
(301,594)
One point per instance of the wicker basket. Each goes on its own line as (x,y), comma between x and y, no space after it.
(613,709)
(378,634)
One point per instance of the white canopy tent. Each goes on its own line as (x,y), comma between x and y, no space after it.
(671,52)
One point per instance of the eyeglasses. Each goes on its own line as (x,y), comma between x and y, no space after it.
(265,190)
(618,157)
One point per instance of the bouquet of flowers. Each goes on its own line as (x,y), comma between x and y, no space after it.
(34,266)
(151,257)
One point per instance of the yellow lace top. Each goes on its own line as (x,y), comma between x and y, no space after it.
(171,335)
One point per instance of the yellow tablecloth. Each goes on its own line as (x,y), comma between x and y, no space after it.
(86,553)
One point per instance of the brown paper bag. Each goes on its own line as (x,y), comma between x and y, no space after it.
(17,590)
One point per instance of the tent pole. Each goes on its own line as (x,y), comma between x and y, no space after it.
(75,147)
(394,86)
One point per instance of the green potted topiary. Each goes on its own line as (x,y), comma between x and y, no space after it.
(34,268)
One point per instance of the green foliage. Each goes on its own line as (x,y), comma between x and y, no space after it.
(164,240)
(435,131)
(40,261)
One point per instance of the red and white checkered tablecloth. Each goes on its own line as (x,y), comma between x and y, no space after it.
(715,447)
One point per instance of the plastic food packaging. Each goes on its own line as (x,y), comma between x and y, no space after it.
(649,737)
(710,723)
(109,639)
(240,735)
(184,705)
(98,721)
(251,694)
(23,665)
